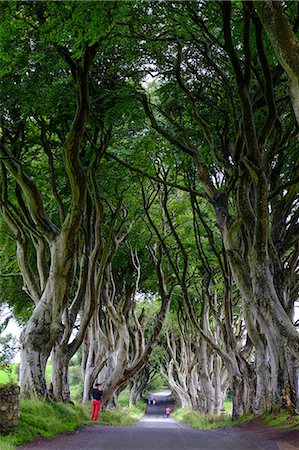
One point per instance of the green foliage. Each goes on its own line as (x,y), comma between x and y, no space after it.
(123,398)
(8,373)
(75,374)
(76,383)
(157,383)
(65,17)
(11,283)
(7,446)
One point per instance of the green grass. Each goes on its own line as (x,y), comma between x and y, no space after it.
(6,446)
(210,421)
(123,415)
(40,418)
(198,420)
(283,420)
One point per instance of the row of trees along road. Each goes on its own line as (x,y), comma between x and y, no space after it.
(151,147)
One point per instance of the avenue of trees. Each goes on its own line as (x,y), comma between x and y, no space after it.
(149,197)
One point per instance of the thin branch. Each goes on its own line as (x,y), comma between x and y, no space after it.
(8,275)
(208,135)
(157,179)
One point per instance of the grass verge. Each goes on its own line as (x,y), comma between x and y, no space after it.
(40,418)
(205,422)
(45,419)
(208,421)
(124,415)
(282,420)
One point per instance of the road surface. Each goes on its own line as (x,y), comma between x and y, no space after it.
(155,432)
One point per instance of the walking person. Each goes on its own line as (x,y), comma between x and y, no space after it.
(167,411)
(97,395)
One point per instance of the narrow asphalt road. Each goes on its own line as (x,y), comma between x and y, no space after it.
(156,432)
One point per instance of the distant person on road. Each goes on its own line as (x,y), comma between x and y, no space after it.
(167,411)
(97,395)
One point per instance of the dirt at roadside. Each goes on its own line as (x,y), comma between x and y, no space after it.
(285,438)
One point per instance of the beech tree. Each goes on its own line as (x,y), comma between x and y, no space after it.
(198,263)
(119,344)
(235,120)
(283,37)
(49,281)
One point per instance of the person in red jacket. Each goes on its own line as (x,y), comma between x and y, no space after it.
(97,395)
(167,411)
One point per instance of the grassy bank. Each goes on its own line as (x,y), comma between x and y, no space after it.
(205,422)
(198,420)
(124,415)
(46,419)
(43,418)
(283,420)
